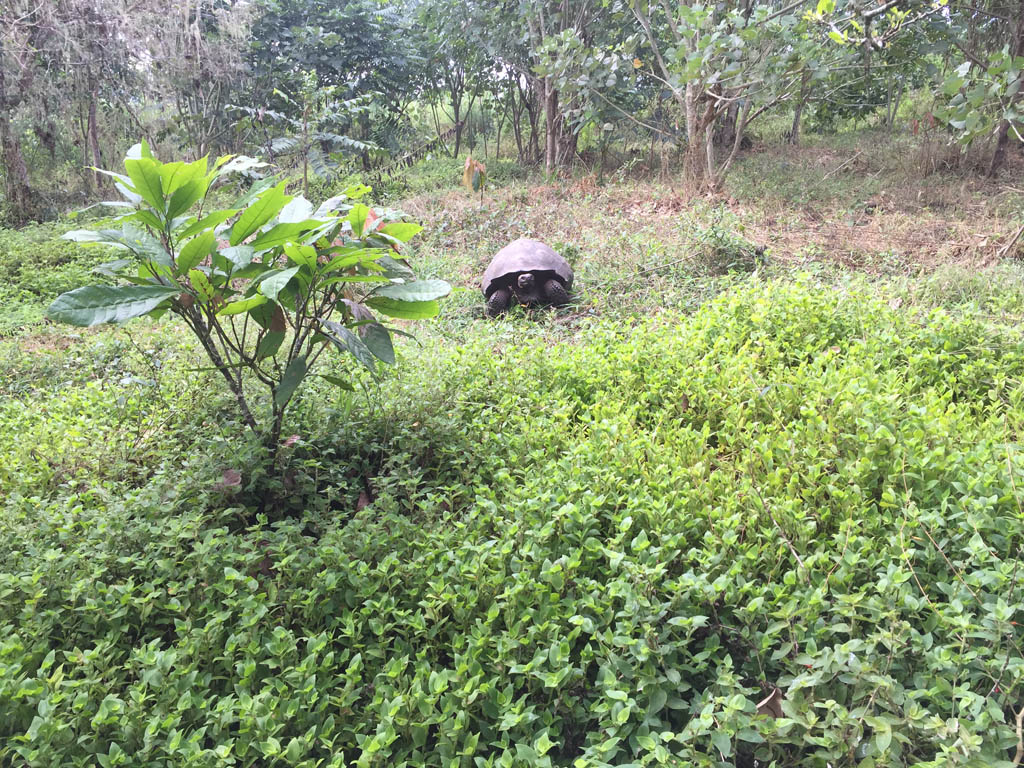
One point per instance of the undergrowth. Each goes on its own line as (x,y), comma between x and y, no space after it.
(602,544)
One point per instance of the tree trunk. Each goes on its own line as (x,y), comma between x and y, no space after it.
(456,107)
(550,126)
(999,155)
(94,141)
(794,132)
(517,113)
(1003,132)
(17,191)
(727,130)
(693,162)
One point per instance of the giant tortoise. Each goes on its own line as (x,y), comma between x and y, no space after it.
(528,270)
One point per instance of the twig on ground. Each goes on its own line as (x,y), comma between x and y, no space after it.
(835,170)
(1006,248)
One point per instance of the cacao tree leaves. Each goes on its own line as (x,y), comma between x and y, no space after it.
(195,250)
(405,310)
(145,178)
(274,264)
(377,339)
(290,380)
(345,339)
(95,304)
(418,291)
(259,213)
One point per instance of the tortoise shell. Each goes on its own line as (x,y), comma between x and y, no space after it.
(525,255)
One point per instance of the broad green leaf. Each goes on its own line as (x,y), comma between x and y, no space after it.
(145,175)
(396,268)
(238,307)
(402,230)
(421,290)
(406,310)
(338,382)
(275,282)
(195,250)
(176,175)
(111,236)
(254,191)
(95,304)
(137,240)
(279,234)
(209,221)
(722,742)
(269,344)
(345,258)
(237,164)
(357,218)
(112,268)
(343,338)
(139,150)
(299,209)
(377,339)
(240,256)
(186,196)
(201,285)
(883,735)
(293,376)
(145,245)
(303,255)
(262,210)
(147,217)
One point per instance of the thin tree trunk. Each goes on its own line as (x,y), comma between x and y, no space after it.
(456,109)
(94,141)
(517,114)
(17,191)
(794,132)
(1003,132)
(550,126)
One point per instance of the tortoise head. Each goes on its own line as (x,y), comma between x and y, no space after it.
(526,282)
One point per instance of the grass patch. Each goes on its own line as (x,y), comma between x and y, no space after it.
(604,543)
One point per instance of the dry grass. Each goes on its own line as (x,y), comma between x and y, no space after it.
(863,207)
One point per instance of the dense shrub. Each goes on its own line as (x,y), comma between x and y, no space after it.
(603,553)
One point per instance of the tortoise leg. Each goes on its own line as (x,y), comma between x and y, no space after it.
(555,293)
(498,301)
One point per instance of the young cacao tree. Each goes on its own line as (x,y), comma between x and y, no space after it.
(266,285)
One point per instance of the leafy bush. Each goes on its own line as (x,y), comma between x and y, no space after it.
(262,284)
(610,559)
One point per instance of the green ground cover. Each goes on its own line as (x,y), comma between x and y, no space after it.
(601,536)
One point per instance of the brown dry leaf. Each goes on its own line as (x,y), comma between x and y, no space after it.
(684,403)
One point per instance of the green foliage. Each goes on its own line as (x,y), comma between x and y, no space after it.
(973,99)
(262,284)
(610,559)
(36,265)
